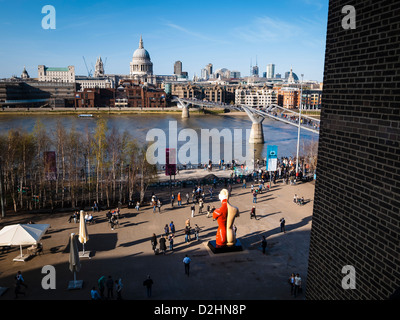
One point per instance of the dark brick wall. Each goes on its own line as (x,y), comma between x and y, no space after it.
(356,219)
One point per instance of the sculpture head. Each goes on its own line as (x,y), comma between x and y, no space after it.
(224,194)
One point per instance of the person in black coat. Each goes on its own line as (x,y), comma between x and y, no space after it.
(163,246)
(154,241)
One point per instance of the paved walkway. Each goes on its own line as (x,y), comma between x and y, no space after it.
(126,251)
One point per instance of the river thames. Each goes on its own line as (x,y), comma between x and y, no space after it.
(139,125)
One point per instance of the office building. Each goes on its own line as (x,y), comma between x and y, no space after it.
(56,74)
(270,71)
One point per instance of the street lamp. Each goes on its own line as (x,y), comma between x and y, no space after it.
(254,160)
(298,130)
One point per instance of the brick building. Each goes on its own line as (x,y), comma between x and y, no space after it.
(288,97)
(91,98)
(356,218)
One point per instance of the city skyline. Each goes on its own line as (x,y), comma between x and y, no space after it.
(227,34)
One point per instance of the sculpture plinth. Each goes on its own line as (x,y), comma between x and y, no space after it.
(216,249)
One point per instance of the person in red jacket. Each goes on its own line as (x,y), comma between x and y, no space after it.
(220,215)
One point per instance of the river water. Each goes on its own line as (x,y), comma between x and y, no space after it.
(140,126)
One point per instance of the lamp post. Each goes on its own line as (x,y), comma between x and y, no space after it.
(298,129)
(254,160)
(2,191)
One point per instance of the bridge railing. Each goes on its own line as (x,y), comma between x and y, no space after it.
(272,111)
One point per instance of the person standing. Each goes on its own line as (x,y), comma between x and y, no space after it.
(282,221)
(291,283)
(254,197)
(172,200)
(159,205)
(187,233)
(110,287)
(187,197)
(101,284)
(297,284)
(186,262)
(201,204)
(118,289)
(148,283)
(171,242)
(172,228)
(263,244)
(163,246)
(166,230)
(197,231)
(192,208)
(179,199)
(154,242)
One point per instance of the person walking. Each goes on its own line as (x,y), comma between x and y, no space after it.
(244,184)
(186,262)
(282,221)
(254,197)
(148,283)
(110,287)
(297,284)
(137,205)
(263,244)
(253,213)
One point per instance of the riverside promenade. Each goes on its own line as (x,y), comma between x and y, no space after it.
(126,253)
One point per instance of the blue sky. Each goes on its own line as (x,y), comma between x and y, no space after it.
(228,34)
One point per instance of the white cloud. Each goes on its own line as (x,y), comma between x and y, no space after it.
(268,29)
(194,34)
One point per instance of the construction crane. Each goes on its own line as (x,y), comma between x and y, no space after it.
(87,69)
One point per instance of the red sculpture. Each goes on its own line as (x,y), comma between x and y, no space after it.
(220,215)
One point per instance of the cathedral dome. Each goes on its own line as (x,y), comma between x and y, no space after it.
(141,53)
(141,63)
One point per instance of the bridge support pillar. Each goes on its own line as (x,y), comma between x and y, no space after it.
(256,133)
(185,111)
